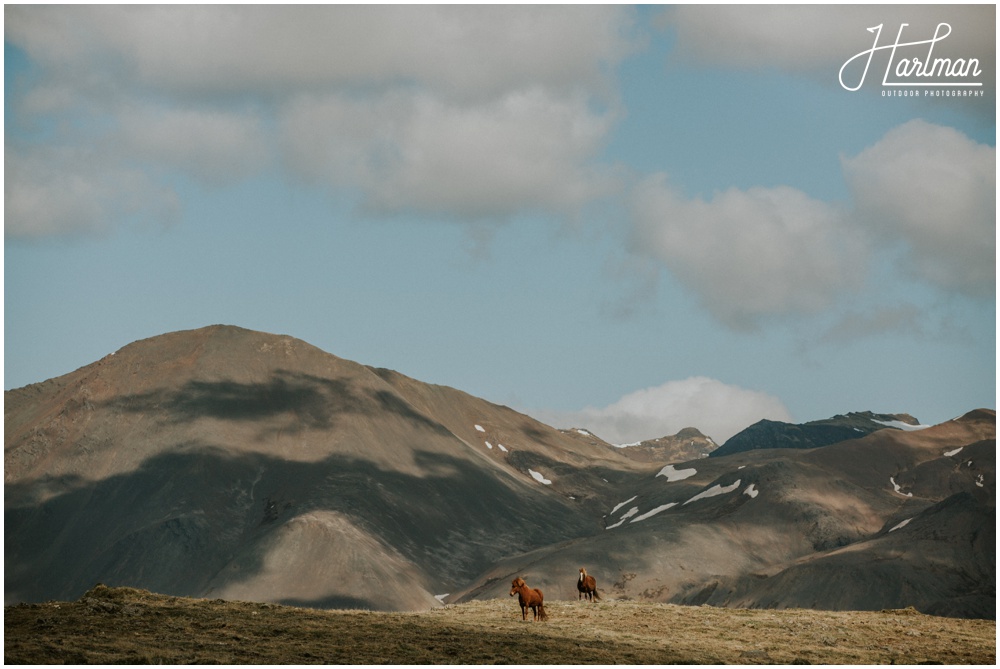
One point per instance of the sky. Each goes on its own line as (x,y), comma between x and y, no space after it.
(625,219)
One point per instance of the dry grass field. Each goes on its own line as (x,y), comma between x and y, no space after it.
(125,625)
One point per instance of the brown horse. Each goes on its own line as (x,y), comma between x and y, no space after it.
(587,585)
(528,598)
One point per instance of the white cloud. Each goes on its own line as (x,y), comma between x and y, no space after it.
(753,36)
(820,38)
(528,149)
(67,191)
(96,179)
(750,254)
(718,409)
(755,254)
(933,189)
(213,145)
(462,112)
(462,51)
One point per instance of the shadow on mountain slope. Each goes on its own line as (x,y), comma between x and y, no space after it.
(812,528)
(311,402)
(942,561)
(226,463)
(200,519)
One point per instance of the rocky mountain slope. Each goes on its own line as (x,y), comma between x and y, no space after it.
(688,444)
(777,434)
(228,463)
(897,518)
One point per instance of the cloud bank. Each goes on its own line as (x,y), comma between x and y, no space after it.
(479,114)
(718,409)
(749,254)
(77,190)
(459,112)
(769,252)
(818,39)
(932,190)
(527,150)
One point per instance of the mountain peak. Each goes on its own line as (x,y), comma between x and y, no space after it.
(688,444)
(256,466)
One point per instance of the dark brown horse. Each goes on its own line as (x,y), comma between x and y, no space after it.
(587,585)
(528,598)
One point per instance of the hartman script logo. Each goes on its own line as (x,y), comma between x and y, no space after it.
(916,69)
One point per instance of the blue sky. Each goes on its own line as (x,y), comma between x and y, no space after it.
(627,219)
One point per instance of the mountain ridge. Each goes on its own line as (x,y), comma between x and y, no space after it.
(244,444)
(687,444)
(223,462)
(813,434)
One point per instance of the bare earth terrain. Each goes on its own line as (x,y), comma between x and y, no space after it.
(125,625)
(223,463)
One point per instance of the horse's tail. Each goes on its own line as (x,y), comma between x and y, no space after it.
(542,615)
(597,595)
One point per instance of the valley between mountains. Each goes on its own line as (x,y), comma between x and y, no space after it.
(230,464)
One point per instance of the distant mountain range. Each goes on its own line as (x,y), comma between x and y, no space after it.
(233,464)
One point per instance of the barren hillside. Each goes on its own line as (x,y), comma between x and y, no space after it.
(227,463)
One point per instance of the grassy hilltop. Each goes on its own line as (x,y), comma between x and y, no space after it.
(126,625)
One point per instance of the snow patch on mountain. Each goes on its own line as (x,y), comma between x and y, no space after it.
(614,510)
(899,525)
(672,474)
(538,477)
(625,516)
(717,489)
(895,486)
(653,512)
(900,425)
